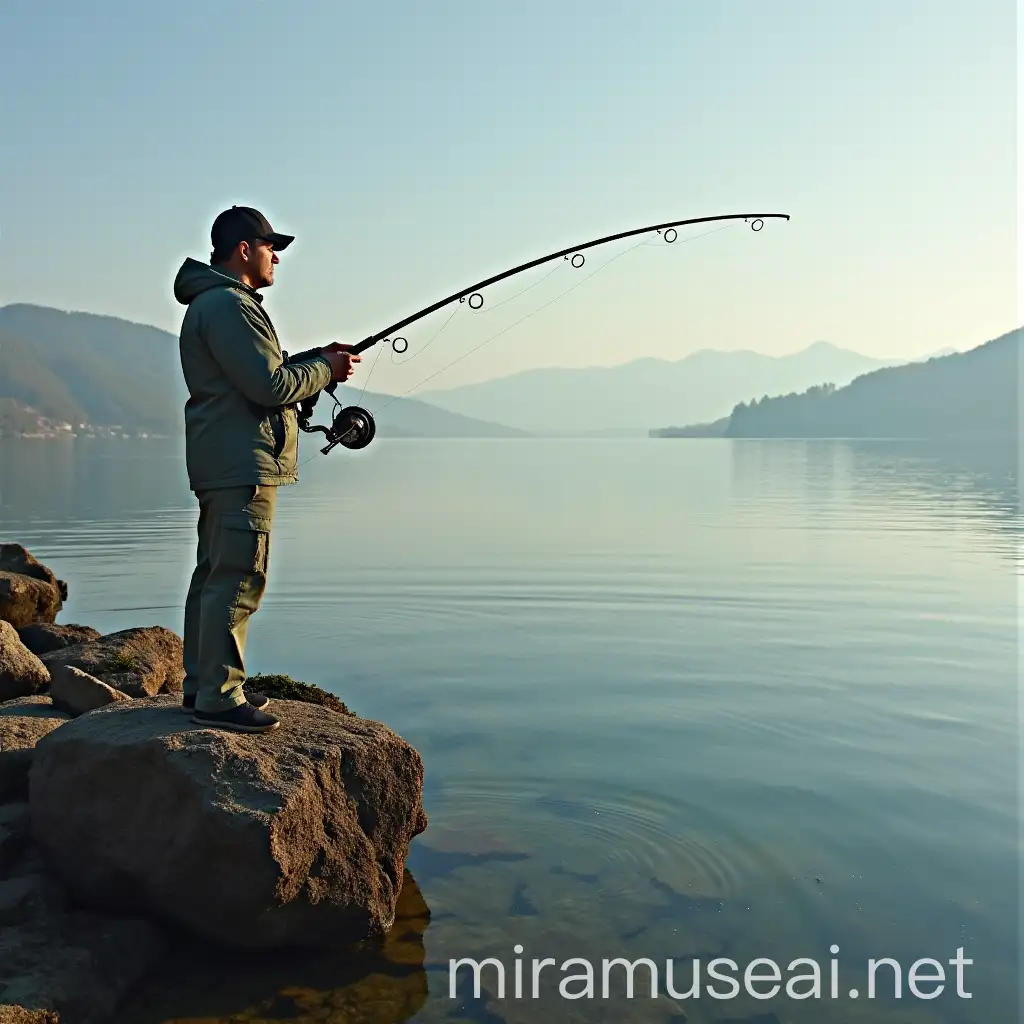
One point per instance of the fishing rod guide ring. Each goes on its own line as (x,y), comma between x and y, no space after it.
(354,427)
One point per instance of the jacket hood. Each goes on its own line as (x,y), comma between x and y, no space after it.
(194,278)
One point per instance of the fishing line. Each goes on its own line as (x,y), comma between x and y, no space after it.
(489,309)
(354,427)
(505,330)
(366,383)
(418,351)
(498,305)
(692,238)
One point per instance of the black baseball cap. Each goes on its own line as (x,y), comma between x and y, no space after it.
(241,224)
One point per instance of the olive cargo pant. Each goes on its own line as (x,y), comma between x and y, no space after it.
(227,586)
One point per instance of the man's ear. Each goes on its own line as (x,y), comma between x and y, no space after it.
(244,251)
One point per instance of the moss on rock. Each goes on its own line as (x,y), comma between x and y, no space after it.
(284,687)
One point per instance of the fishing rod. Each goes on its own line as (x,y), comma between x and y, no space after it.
(353,427)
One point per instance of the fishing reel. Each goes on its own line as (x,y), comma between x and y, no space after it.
(352,427)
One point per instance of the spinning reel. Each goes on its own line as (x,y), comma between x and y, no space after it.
(353,427)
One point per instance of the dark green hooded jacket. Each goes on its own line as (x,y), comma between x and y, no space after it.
(240,424)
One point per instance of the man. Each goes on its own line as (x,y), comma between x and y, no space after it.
(241,444)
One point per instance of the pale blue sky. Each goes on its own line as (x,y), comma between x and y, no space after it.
(414,148)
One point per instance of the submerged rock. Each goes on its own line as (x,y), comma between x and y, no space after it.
(292,838)
(23,722)
(21,672)
(140,662)
(29,591)
(43,637)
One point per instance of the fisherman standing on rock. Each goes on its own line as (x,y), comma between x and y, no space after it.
(241,444)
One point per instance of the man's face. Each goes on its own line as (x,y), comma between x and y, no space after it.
(259,262)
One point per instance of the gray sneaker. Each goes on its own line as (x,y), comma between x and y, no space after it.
(244,718)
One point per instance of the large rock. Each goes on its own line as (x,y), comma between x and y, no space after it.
(78,964)
(21,672)
(56,960)
(29,591)
(43,637)
(140,662)
(77,692)
(23,722)
(292,838)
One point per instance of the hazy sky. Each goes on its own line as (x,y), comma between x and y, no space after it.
(415,148)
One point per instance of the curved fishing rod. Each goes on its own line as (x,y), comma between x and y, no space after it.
(354,427)
(475,288)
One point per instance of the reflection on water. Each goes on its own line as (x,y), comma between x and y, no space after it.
(975,482)
(676,699)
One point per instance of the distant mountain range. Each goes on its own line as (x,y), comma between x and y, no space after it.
(59,370)
(965,395)
(631,398)
(81,368)
(409,417)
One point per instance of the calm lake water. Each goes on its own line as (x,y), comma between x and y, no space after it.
(680,700)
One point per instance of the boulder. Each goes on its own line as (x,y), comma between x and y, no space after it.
(296,837)
(56,960)
(23,722)
(77,965)
(43,637)
(77,692)
(29,591)
(21,672)
(140,662)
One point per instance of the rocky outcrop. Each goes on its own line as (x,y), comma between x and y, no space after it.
(29,591)
(43,637)
(292,838)
(23,722)
(127,832)
(140,662)
(77,692)
(21,672)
